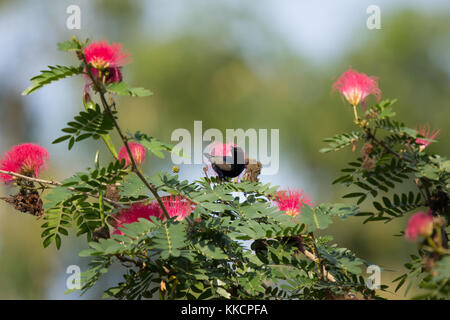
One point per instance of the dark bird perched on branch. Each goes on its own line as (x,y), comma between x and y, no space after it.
(227,160)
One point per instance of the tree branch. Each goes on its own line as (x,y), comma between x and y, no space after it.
(313,257)
(101,90)
(57,184)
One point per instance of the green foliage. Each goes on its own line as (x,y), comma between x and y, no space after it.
(90,123)
(386,163)
(314,219)
(123,89)
(207,257)
(154,145)
(71,205)
(340,141)
(399,206)
(384,177)
(237,244)
(54,73)
(71,45)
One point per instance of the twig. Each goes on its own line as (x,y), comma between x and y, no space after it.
(386,147)
(139,264)
(319,260)
(427,196)
(57,183)
(101,90)
(313,257)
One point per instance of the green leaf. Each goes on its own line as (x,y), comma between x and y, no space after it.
(54,73)
(139,92)
(315,219)
(68,45)
(133,187)
(210,250)
(90,123)
(61,139)
(121,88)
(154,145)
(170,238)
(340,141)
(442,269)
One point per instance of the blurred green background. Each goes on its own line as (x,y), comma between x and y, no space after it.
(232,64)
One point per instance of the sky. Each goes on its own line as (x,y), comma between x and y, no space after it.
(318,30)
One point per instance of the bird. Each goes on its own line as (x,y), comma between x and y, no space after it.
(227,160)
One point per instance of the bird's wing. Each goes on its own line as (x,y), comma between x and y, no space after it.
(220,161)
(223,166)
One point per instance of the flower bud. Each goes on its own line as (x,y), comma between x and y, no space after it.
(420,224)
(137,150)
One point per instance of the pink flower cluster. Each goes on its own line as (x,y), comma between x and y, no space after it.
(137,150)
(101,55)
(291,201)
(420,224)
(176,206)
(27,159)
(356,87)
(132,214)
(106,58)
(426,132)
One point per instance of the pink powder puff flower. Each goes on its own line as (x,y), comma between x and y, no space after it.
(177,206)
(27,159)
(420,224)
(106,58)
(137,150)
(221,149)
(101,55)
(291,201)
(426,132)
(133,213)
(356,87)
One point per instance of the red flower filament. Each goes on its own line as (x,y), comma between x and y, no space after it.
(27,159)
(291,201)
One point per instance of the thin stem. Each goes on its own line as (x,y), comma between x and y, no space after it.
(433,245)
(100,204)
(137,263)
(319,261)
(107,139)
(101,90)
(371,136)
(18,175)
(57,183)
(311,256)
(386,147)
(355,112)
(416,181)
